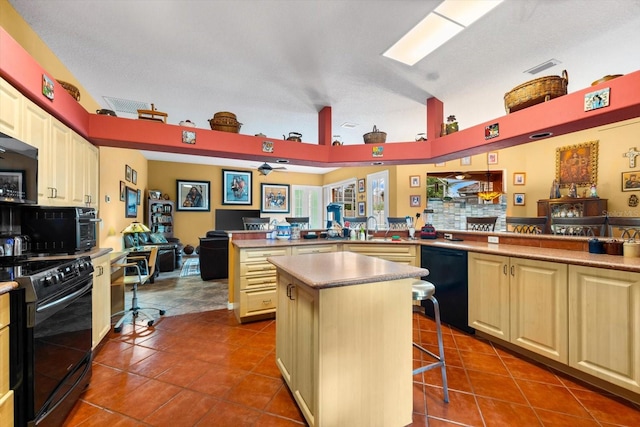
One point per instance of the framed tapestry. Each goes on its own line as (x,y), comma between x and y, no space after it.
(237,187)
(193,196)
(577,164)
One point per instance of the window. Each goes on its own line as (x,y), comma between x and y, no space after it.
(344,194)
(306,201)
(377,200)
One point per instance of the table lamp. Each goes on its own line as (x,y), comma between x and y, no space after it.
(134,228)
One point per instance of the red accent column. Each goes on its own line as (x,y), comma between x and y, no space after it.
(324,126)
(435,118)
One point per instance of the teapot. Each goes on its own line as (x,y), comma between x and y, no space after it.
(293,136)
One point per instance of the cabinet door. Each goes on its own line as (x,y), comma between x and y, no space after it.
(285,328)
(101,299)
(489,294)
(79,158)
(59,163)
(538,304)
(604,324)
(10,110)
(92,178)
(305,341)
(36,131)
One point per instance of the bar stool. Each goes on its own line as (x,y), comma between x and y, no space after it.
(423,290)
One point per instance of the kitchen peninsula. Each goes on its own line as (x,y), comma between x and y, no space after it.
(343,337)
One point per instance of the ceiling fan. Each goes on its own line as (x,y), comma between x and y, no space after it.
(265,168)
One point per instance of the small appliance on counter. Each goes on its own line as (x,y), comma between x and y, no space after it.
(428,232)
(14,246)
(55,229)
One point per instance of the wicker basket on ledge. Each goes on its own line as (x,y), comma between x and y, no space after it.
(225,121)
(73,91)
(375,137)
(535,92)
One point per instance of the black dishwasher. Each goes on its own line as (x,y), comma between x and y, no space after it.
(448,272)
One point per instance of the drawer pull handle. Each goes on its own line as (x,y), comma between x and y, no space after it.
(266,302)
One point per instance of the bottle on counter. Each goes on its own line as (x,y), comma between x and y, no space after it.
(362,235)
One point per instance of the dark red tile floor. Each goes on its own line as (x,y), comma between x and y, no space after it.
(204,369)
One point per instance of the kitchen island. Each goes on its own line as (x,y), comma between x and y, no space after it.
(343,337)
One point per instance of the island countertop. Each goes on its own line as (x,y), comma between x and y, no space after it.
(328,270)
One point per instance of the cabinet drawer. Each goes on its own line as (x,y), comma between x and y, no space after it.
(261,254)
(257,302)
(4,310)
(250,282)
(4,361)
(257,269)
(375,249)
(313,249)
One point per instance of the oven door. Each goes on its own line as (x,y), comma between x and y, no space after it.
(60,366)
(87,233)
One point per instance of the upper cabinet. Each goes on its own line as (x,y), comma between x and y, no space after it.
(67,163)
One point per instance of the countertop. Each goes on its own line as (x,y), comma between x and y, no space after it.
(94,253)
(347,268)
(539,247)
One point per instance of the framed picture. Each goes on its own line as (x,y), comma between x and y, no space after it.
(361,208)
(492,158)
(597,99)
(415,200)
(131,205)
(48,87)
(274,198)
(518,199)
(193,195)
(577,164)
(492,131)
(139,199)
(465,161)
(127,172)
(188,137)
(13,181)
(123,188)
(519,178)
(630,181)
(134,176)
(361,186)
(414,181)
(237,187)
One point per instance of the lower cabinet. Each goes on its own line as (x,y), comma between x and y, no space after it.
(255,286)
(520,300)
(604,324)
(6,394)
(345,352)
(101,299)
(404,254)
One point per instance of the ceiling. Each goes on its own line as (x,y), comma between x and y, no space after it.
(276,63)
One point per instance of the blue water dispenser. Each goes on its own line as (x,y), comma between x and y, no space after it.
(334,214)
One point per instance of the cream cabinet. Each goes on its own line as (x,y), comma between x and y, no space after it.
(6,395)
(332,343)
(68,167)
(404,254)
(604,324)
(84,172)
(520,300)
(314,249)
(255,286)
(101,298)
(10,110)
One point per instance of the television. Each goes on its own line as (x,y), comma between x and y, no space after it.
(231,219)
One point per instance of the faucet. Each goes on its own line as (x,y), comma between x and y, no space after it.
(375,226)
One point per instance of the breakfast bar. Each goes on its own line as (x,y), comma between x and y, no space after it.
(343,337)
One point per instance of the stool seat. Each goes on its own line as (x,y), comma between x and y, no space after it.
(423,290)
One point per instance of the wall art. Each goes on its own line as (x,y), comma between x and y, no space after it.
(414,181)
(415,200)
(237,187)
(519,178)
(123,188)
(48,87)
(361,186)
(630,181)
(577,164)
(193,195)
(127,173)
(130,205)
(274,198)
(188,137)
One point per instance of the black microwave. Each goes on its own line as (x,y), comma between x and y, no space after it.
(58,229)
(18,171)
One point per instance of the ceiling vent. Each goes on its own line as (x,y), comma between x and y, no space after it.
(125,105)
(349,125)
(544,66)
